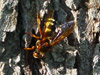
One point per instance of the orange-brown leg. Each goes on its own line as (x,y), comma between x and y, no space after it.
(38,21)
(32,35)
(33,47)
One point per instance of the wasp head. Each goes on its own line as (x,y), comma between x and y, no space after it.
(38,54)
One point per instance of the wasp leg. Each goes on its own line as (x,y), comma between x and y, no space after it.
(32,35)
(38,21)
(33,47)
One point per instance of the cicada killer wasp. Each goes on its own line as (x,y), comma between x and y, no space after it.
(45,41)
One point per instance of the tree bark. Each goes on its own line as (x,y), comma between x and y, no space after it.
(77,54)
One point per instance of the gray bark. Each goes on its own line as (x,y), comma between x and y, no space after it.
(77,54)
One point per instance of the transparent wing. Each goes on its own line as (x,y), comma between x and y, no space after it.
(64,31)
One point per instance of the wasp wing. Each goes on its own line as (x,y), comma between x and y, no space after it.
(64,31)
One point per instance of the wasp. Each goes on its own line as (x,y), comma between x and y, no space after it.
(47,38)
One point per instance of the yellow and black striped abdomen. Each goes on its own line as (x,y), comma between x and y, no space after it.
(49,24)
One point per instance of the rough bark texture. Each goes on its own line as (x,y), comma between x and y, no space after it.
(78,54)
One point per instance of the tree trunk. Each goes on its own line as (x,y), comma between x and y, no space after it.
(77,54)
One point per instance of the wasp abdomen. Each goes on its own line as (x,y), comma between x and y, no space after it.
(49,25)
